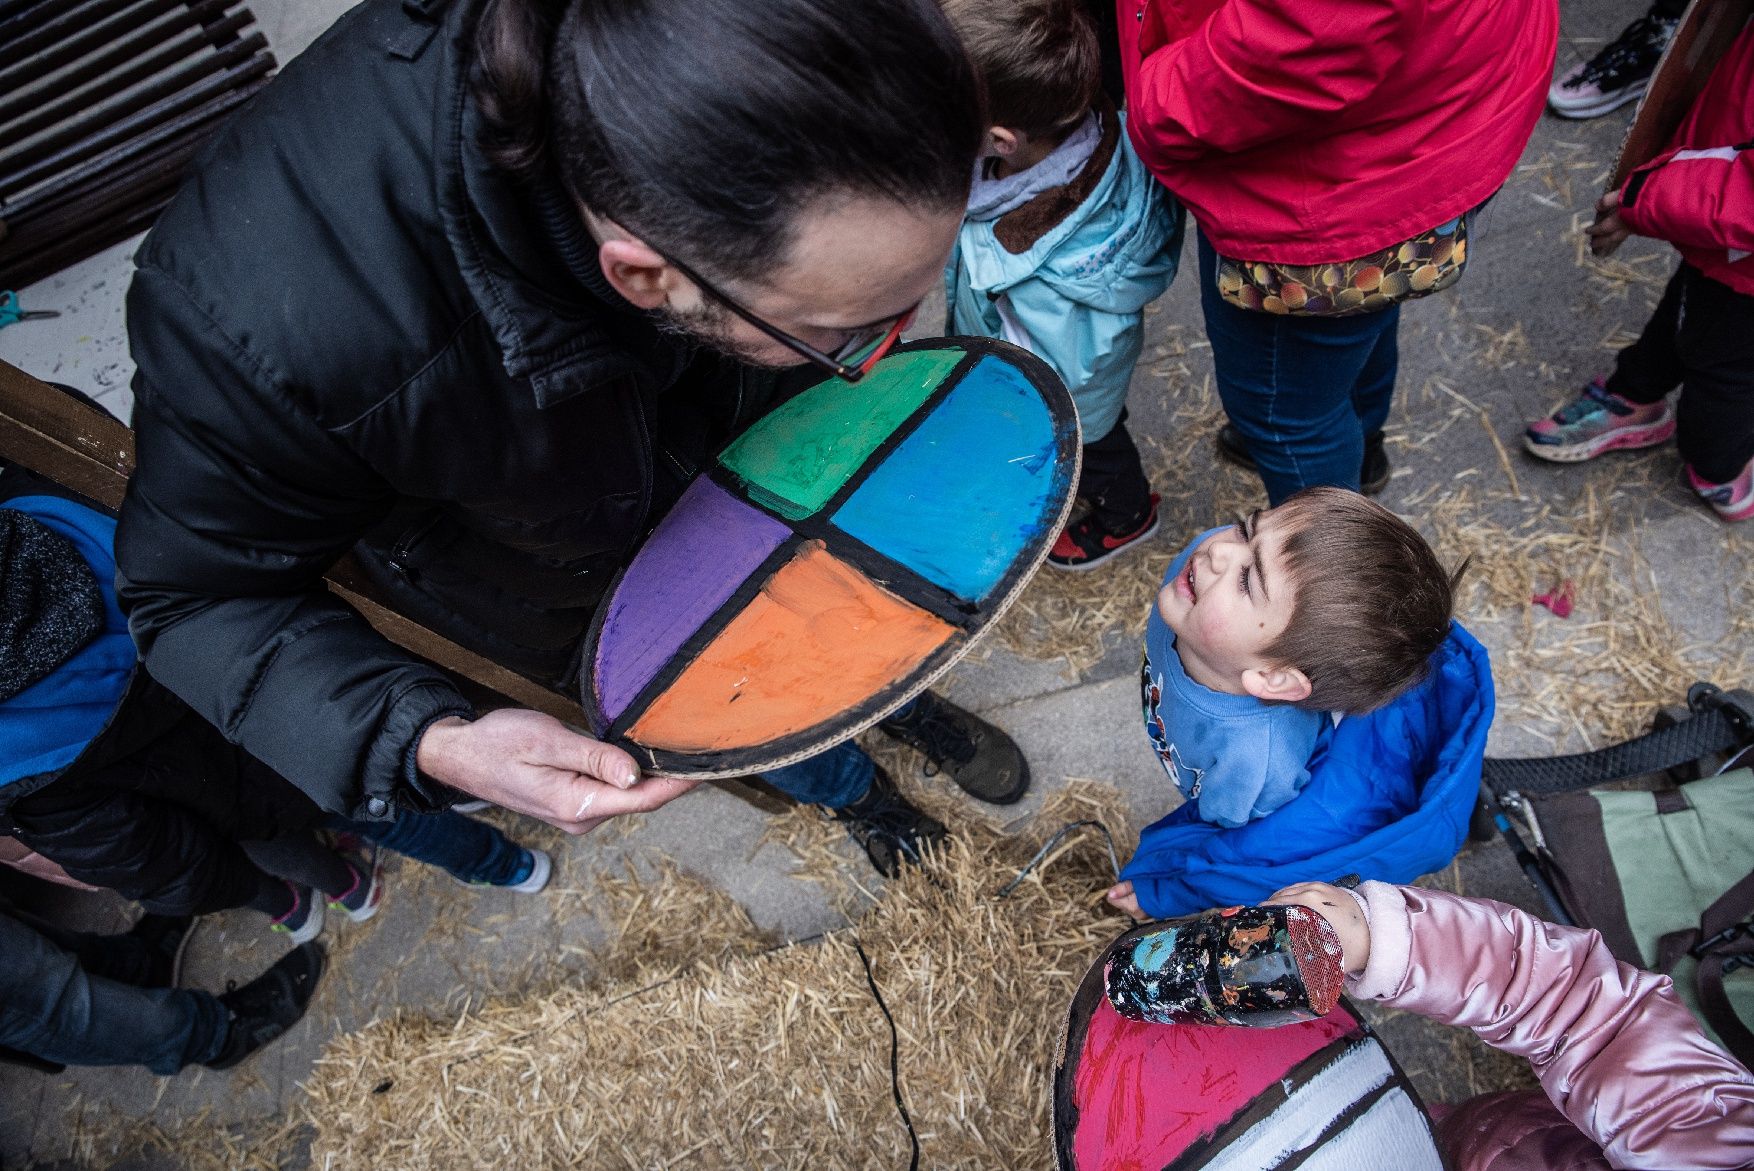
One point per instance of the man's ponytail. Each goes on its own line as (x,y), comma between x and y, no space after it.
(511,81)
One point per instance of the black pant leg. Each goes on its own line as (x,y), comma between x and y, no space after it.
(1113,481)
(158,816)
(102,830)
(1714,415)
(1650,367)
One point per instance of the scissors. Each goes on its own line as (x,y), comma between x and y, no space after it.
(11,310)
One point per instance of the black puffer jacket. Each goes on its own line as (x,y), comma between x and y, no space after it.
(350,328)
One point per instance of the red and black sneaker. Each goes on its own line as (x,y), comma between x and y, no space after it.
(1082,545)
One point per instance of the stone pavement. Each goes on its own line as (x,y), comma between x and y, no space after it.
(1526,327)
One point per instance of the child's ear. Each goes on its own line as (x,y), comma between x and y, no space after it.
(1279,684)
(1002,142)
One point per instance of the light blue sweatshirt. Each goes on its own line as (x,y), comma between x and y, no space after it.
(1076,296)
(1238,757)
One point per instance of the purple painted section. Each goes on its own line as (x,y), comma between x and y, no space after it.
(696,558)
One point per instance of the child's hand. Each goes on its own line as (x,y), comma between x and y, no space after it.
(1121,895)
(1340,910)
(1609,231)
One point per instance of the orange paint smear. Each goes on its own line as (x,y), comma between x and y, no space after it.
(820,639)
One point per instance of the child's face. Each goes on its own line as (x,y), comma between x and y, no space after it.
(1231,601)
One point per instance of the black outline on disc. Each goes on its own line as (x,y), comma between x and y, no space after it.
(887,574)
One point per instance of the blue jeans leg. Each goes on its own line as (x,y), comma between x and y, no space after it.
(51,1008)
(470,850)
(1303,391)
(1374,392)
(835,778)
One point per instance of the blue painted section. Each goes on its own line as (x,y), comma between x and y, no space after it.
(971,490)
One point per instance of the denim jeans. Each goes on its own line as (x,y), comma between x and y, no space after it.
(472,851)
(63,998)
(833,779)
(1303,391)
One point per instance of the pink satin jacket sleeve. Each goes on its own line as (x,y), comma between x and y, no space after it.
(1613,1046)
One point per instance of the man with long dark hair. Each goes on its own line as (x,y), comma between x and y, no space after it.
(473,290)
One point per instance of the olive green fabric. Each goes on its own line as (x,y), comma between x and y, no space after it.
(1672,866)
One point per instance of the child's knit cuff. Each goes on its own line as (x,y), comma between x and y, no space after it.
(1391,941)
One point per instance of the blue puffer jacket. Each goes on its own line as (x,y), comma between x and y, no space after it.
(1388,800)
(1073,270)
(46,726)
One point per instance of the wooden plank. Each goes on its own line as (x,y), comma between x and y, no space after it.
(170,143)
(1708,28)
(18,76)
(141,66)
(77,26)
(112,125)
(95,65)
(351,585)
(56,435)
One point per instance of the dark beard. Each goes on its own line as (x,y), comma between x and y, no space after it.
(709,327)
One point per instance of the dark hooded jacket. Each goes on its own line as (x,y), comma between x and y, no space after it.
(353,332)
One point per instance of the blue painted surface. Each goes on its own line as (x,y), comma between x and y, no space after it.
(964,495)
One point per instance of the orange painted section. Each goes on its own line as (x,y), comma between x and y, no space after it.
(820,639)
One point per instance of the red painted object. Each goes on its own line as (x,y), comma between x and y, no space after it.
(1317,1093)
(1559,601)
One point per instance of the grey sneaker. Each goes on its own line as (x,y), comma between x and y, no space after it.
(1616,75)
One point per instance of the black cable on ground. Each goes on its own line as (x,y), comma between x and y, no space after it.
(894,1057)
(1113,859)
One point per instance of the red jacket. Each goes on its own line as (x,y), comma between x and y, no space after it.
(1310,131)
(1699,194)
(1629,1079)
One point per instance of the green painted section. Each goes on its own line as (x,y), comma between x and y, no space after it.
(797,458)
(1674,865)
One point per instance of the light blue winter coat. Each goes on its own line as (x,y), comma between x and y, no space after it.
(1076,295)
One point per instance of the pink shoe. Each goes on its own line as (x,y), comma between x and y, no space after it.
(1597,421)
(1732,501)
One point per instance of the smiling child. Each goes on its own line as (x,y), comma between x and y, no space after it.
(1268,630)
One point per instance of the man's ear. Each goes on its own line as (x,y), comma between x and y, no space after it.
(636,271)
(1278,684)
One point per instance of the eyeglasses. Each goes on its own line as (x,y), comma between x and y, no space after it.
(851,361)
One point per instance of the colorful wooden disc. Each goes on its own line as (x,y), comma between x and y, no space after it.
(1316,1094)
(843,552)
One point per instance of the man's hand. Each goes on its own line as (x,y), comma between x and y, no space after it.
(536,765)
(1610,230)
(1341,911)
(1122,897)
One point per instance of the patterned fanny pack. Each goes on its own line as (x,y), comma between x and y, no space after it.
(1430,261)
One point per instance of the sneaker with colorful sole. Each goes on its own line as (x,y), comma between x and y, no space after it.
(304,921)
(533,871)
(360,902)
(1732,501)
(1595,421)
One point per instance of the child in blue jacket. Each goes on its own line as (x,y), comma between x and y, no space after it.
(108,775)
(1264,633)
(1066,240)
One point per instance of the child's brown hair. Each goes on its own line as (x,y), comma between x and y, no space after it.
(1372,601)
(1039,59)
